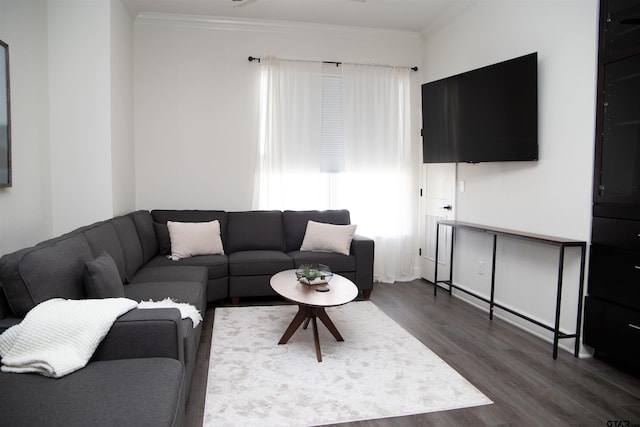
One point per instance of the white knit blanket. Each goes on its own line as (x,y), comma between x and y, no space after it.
(59,336)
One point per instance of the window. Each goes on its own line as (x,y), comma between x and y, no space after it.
(340,138)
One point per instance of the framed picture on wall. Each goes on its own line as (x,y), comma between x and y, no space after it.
(5,118)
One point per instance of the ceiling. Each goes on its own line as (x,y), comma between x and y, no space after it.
(403,15)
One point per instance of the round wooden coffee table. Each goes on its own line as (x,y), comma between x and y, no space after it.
(312,304)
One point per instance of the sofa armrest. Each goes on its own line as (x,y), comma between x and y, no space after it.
(142,333)
(362,248)
(7,322)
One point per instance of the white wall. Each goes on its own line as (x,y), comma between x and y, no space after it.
(72,116)
(122,145)
(551,196)
(80,112)
(196,99)
(25,208)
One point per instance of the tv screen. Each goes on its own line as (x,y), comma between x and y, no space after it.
(485,115)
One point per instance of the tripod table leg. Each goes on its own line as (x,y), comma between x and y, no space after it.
(303,313)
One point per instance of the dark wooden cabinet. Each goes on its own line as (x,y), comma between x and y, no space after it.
(612,310)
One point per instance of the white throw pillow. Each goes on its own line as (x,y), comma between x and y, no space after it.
(321,237)
(194,238)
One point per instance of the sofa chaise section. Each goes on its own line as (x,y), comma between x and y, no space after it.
(147,338)
(134,392)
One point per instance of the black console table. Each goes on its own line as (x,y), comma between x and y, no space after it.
(548,240)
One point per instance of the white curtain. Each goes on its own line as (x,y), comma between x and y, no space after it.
(378,184)
(381,167)
(287,171)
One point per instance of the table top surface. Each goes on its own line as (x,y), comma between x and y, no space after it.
(553,240)
(341,290)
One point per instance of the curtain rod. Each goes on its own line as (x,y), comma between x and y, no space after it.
(253,58)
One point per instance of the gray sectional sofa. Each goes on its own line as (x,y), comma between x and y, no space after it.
(141,372)
(259,244)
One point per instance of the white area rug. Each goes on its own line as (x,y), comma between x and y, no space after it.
(379,371)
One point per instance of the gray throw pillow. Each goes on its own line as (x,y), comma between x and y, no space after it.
(102,279)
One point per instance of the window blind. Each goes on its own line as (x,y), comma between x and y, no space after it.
(332,126)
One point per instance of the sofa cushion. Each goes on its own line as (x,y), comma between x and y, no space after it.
(157,332)
(189,215)
(53,269)
(131,245)
(101,278)
(321,237)
(295,223)
(255,263)
(194,238)
(251,286)
(142,333)
(255,230)
(172,273)
(217,266)
(193,293)
(163,215)
(107,393)
(338,263)
(102,237)
(188,292)
(144,225)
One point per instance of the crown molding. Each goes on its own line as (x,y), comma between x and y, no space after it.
(268,26)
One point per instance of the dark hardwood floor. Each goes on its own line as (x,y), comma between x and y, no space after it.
(513,368)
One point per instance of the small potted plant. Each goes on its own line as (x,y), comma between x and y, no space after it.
(311,274)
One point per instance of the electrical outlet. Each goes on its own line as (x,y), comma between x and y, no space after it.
(481,268)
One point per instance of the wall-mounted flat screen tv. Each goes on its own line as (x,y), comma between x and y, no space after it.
(485,115)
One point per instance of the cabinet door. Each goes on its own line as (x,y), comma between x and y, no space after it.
(619,233)
(613,331)
(619,177)
(622,26)
(614,275)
